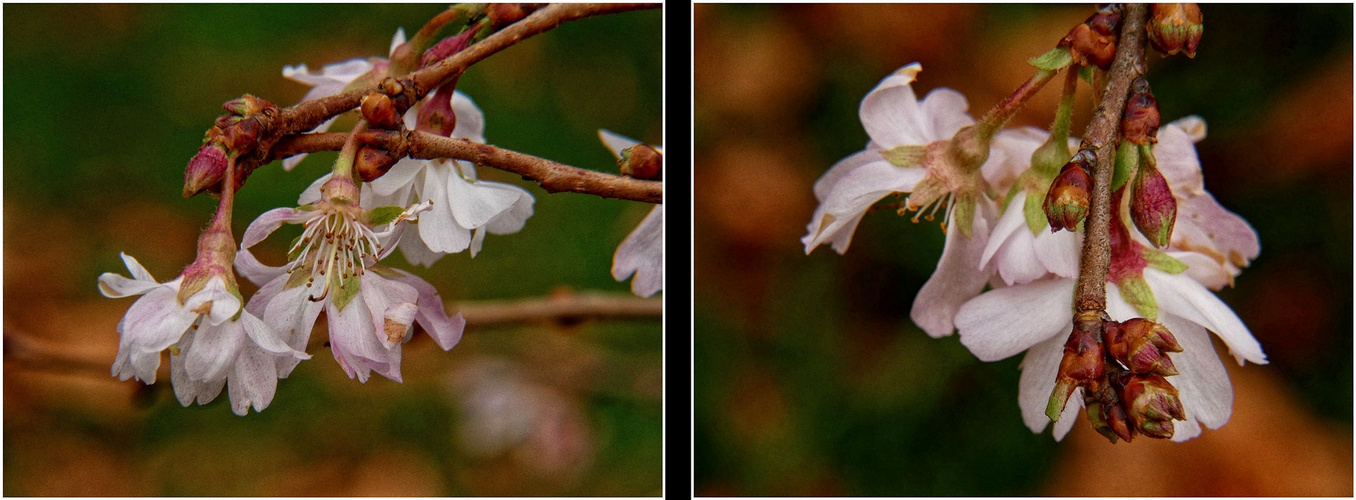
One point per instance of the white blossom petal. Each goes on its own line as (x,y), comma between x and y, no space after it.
(642,253)
(470,120)
(1185,297)
(852,194)
(1006,321)
(257,272)
(1059,252)
(945,110)
(379,295)
(214,350)
(475,203)
(438,227)
(956,279)
(253,382)
(891,113)
(1040,366)
(1202,383)
(268,222)
(446,332)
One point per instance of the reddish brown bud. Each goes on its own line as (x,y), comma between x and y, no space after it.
(448,46)
(1070,195)
(1093,43)
(242,137)
(1107,415)
(1083,365)
(641,161)
(504,14)
(1175,27)
(1153,207)
(1142,346)
(436,115)
(1139,124)
(1152,405)
(380,111)
(372,163)
(205,170)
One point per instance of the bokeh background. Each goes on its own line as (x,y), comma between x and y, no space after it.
(810,377)
(105,104)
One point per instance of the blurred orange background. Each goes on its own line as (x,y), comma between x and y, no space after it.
(812,380)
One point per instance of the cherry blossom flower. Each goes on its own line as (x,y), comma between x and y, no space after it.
(333,79)
(1035,317)
(370,308)
(212,341)
(1021,248)
(642,252)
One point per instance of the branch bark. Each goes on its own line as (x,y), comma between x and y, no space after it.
(552,176)
(564,308)
(1100,136)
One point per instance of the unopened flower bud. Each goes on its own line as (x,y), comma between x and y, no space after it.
(1142,346)
(448,46)
(205,170)
(1093,43)
(1153,207)
(380,112)
(246,105)
(436,115)
(641,161)
(1139,124)
(1107,415)
(242,137)
(1083,365)
(373,163)
(1070,195)
(504,14)
(1152,405)
(1175,27)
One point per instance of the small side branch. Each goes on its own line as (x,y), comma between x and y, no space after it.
(554,177)
(565,308)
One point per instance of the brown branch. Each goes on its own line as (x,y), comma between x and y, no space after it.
(560,308)
(278,122)
(554,177)
(1090,294)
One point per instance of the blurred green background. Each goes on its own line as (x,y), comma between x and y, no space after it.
(105,104)
(812,380)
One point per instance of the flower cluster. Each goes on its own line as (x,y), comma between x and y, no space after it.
(1007,284)
(426,208)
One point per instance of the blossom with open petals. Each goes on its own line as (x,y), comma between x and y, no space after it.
(333,267)
(642,252)
(1035,317)
(212,341)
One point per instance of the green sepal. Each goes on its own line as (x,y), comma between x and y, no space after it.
(1127,162)
(298,277)
(347,290)
(965,214)
(382,215)
(1085,73)
(1034,211)
(1163,262)
(1137,293)
(906,156)
(1012,191)
(1054,60)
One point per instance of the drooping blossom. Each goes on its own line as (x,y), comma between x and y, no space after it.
(642,252)
(333,267)
(927,149)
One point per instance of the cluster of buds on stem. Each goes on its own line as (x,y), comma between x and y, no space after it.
(1175,27)
(1070,195)
(234,134)
(1093,43)
(1121,368)
(1152,206)
(373,161)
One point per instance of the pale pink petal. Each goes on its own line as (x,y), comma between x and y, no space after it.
(268,339)
(139,273)
(255,271)
(475,203)
(1176,156)
(1006,321)
(312,192)
(1011,221)
(470,120)
(253,382)
(1059,252)
(945,110)
(891,113)
(268,222)
(446,332)
(642,253)
(1227,232)
(116,286)
(852,195)
(438,227)
(379,295)
(1040,365)
(1010,155)
(292,315)
(512,220)
(825,184)
(614,142)
(185,388)
(213,351)
(418,253)
(956,279)
(1202,383)
(355,345)
(1185,297)
(155,322)
(1019,262)
(401,175)
(1203,269)
(222,303)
